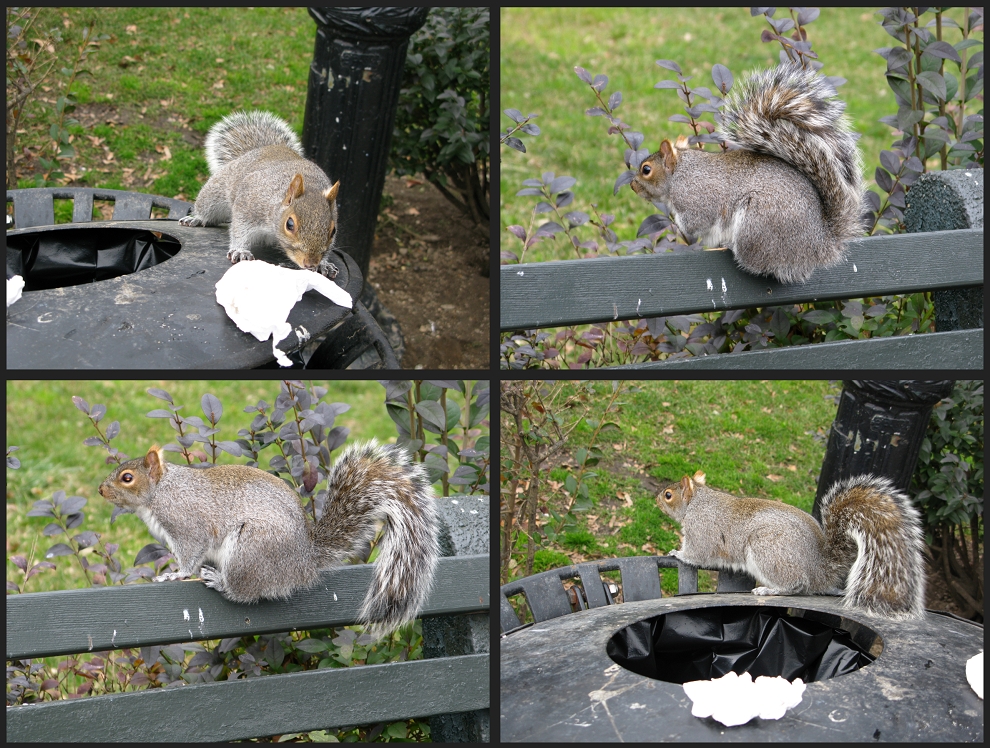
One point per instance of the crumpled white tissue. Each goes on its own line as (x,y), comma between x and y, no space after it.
(14,287)
(736,699)
(258,296)
(974,673)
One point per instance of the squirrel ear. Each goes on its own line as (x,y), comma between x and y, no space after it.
(154,462)
(687,488)
(668,155)
(331,194)
(296,189)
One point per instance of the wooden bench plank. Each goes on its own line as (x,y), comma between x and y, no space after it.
(254,707)
(958,349)
(44,624)
(553,294)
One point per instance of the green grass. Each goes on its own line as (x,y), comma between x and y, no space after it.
(163,79)
(750,438)
(49,430)
(541,46)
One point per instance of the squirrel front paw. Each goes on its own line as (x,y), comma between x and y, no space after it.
(328,269)
(173,576)
(236,255)
(764,591)
(191,220)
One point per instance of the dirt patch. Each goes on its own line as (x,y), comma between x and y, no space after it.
(426,264)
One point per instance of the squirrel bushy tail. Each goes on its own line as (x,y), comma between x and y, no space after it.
(372,482)
(887,576)
(240,132)
(794,114)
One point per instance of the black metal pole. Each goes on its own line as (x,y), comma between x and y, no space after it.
(354,84)
(878,429)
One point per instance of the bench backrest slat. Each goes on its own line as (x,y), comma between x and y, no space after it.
(551,294)
(44,624)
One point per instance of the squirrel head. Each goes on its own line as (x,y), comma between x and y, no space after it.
(674,498)
(309,223)
(656,168)
(133,483)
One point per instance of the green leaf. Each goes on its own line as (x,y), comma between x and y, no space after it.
(432,414)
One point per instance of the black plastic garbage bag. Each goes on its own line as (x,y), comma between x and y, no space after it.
(72,257)
(708,643)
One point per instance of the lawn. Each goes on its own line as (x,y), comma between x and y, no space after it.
(164,73)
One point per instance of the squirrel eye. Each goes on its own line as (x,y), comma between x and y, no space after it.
(667,494)
(645,171)
(290,225)
(126,477)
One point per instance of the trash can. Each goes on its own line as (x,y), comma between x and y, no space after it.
(140,294)
(562,681)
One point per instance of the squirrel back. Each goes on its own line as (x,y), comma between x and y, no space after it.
(868,547)
(243,531)
(790,199)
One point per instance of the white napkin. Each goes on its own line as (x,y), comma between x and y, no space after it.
(258,296)
(14,287)
(736,699)
(974,673)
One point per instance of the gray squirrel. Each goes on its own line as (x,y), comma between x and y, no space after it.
(786,203)
(244,532)
(868,546)
(261,185)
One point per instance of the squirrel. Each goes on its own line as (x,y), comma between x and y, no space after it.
(244,532)
(261,185)
(869,544)
(790,200)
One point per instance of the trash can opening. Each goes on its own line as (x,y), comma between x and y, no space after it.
(53,258)
(707,643)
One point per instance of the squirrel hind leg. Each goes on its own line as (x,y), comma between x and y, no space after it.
(213,579)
